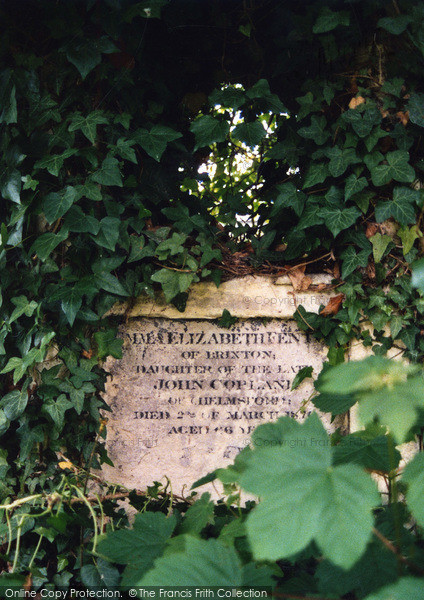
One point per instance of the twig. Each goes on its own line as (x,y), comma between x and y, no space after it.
(390,546)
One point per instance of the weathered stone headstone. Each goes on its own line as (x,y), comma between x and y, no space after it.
(187,393)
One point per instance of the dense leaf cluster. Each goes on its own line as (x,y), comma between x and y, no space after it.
(146,146)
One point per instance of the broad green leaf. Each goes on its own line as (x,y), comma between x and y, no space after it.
(14,403)
(108,344)
(375,454)
(56,204)
(208,130)
(56,409)
(109,283)
(372,373)
(229,96)
(336,404)
(416,109)
(395,25)
(198,516)
(408,235)
(311,215)
(396,407)
(23,307)
(77,221)
(329,20)
(406,588)
(362,122)
(11,187)
(354,184)
(100,576)
(332,505)
(288,197)
(397,168)
(249,133)
(46,243)
(88,124)
(54,163)
(140,546)
(108,234)
(89,190)
(125,150)
(340,159)
(413,474)
(317,173)
(109,173)
(71,304)
(417,279)
(173,282)
(155,141)
(379,245)
(303,373)
(202,563)
(353,259)
(401,207)
(86,54)
(316,131)
(396,324)
(8,105)
(337,219)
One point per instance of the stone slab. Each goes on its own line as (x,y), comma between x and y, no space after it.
(187,394)
(245,297)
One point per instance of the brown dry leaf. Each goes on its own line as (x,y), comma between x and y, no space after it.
(370,270)
(403,116)
(299,280)
(336,271)
(87,353)
(333,306)
(356,101)
(371,229)
(65,464)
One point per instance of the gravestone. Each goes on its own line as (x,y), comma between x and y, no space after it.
(187,393)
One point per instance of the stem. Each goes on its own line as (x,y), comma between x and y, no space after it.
(93,516)
(35,552)
(18,544)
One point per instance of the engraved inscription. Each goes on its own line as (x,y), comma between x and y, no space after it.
(187,394)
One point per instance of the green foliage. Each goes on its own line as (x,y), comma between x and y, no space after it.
(123,171)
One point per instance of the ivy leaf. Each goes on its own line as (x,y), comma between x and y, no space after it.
(226,320)
(89,190)
(87,54)
(397,168)
(311,215)
(354,184)
(46,243)
(125,150)
(332,505)
(140,546)
(379,244)
(316,131)
(405,588)
(417,279)
(229,96)
(56,410)
(340,159)
(71,304)
(317,173)
(413,474)
(329,20)
(23,307)
(400,207)
(201,563)
(109,283)
(173,282)
(88,124)
(302,374)
(14,403)
(56,204)
(54,163)
(208,130)
(288,197)
(249,133)
(108,344)
(395,25)
(77,221)
(362,122)
(416,109)
(154,142)
(109,173)
(337,219)
(408,235)
(11,187)
(108,234)
(352,260)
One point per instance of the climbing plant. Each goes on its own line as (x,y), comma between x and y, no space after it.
(146,146)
